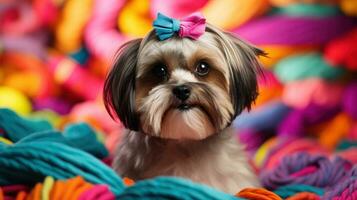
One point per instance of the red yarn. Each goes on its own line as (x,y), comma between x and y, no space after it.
(343,51)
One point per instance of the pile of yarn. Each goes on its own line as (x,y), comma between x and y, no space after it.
(301,134)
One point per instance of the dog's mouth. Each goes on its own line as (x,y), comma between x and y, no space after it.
(184,107)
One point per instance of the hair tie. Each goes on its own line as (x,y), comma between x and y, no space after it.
(192,26)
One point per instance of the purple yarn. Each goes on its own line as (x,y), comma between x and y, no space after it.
(30,45)
(294,124)
(350,100)
(293,30)
(251,139)
(328,172)
(349,184)
(57,105)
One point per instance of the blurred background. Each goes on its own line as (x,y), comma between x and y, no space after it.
(54,55)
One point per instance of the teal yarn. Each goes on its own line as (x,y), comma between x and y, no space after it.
(172,188)
(82,136)
(311,65)
(16,127)
(30,161)
(318,10)
(290,190)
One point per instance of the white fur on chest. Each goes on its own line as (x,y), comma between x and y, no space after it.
(218,161)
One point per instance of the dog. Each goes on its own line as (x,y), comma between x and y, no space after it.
(177,97)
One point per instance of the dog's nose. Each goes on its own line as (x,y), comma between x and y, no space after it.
(182,92)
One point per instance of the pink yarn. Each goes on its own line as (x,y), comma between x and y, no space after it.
(300,94)
(101,35)
(175,9)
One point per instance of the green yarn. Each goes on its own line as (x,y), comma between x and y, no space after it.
(306,66)
(319,10)
(172,188)
(290,190)
(16,127)
(346,144)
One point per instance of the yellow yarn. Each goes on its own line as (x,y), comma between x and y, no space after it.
(134,19)
(5,141)
(262,151)
(69,31)
(47,186)
(15,100)
(349,7)
(229,14)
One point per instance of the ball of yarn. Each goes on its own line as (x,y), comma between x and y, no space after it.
(304,66)
(57,105)
(15,100)
(286,27)
(342,52)
(301,93)
(350,99)
(302,168)
(346,189)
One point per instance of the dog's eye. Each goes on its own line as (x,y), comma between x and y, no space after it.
(160,71)
(202,69)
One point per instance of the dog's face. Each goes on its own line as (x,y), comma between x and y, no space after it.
(181,88)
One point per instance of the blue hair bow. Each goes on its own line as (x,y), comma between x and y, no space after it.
(165,27)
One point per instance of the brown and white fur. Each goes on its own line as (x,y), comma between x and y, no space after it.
(177,99)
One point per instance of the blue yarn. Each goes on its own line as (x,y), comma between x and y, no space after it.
(16,127)
(81,56)
(172,188)
(265,118)
(290,190)
(31,161)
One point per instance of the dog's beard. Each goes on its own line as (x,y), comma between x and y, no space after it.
(207,111)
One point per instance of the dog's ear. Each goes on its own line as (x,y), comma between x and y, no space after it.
(244,70)
(244,67)
(119,87)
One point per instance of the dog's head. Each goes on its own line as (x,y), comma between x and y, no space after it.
(181,88)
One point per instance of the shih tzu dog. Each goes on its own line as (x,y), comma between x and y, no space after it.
(177,91)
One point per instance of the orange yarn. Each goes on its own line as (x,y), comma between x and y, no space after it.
(21,195)
(58,188)
(70,189)
(277,52)
(36,192)
(1,194)
(335,130)
(128,181)
(257,194)
(304,196)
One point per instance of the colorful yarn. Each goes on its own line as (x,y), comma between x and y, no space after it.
(295,122)
(295,189)
(302,168)
(304,196)
(347,189)
(299,67)
(286,28)
(259,193)
(172,188)
(292,2)
(350,99)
